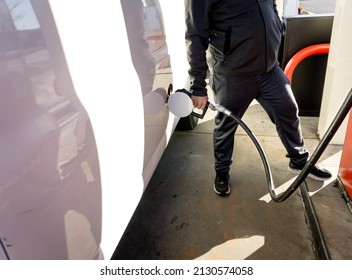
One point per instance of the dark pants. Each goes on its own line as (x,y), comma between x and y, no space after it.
(272,90)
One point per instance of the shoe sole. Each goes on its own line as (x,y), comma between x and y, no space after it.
(309,175)
(222,193)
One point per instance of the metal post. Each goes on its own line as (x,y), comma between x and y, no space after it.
(290,8)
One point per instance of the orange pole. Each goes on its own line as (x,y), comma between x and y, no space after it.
(302,54)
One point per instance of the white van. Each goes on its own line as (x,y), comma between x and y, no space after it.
(83,122)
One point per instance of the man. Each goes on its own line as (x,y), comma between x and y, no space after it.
(243,37)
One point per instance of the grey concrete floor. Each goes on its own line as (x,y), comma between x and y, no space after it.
(180,216)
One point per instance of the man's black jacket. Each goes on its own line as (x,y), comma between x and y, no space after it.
(243,37)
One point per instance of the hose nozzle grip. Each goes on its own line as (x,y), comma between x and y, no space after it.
(202,114)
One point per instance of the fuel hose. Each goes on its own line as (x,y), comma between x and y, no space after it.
(324,142)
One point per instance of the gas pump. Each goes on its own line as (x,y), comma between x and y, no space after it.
(344,177)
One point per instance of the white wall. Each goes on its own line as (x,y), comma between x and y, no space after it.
(290,7)
(338,80)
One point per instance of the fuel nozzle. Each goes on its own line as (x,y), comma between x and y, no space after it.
(180,104)
(200,113)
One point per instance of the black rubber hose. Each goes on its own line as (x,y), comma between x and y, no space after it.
(334,126)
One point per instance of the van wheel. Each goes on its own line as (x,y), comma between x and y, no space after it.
(187,123)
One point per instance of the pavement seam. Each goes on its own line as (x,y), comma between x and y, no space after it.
(317,234)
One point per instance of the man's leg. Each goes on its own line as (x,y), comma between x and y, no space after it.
(236,94)
(276,97)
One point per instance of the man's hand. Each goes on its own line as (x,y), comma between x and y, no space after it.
(199,102)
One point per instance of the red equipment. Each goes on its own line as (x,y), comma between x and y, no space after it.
(303,54)
(345,170)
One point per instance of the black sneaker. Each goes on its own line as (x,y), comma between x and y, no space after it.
(221,184)
(317,173)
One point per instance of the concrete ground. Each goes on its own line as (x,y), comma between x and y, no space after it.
(180,216)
